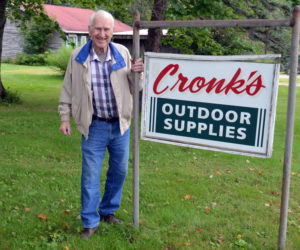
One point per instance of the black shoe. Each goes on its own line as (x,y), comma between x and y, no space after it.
(111,219)
(87,232)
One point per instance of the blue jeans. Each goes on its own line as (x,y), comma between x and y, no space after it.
(102,135)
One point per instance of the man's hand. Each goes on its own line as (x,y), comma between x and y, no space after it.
(65,128)
(137,65)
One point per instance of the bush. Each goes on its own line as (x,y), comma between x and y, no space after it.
(60,58)
(32,60)
(6,60)
(37,35)
(11,97)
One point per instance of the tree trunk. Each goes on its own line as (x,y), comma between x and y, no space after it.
(154,34)
(2,24)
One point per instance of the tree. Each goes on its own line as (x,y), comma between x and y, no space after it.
(154,35)
(2,24)
(22,11)
(225,41)
(37,34)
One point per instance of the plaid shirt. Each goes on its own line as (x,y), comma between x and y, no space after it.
(104,102)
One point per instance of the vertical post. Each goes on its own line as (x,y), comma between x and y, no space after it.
(289,129)
(136,54)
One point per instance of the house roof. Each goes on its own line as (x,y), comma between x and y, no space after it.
(76,20)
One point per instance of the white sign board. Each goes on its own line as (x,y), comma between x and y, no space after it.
(222,103)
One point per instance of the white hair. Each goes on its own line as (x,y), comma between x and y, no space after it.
(102,13)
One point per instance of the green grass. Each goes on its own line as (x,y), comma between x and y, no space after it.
(189,198)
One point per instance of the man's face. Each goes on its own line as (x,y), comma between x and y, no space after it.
(101,33)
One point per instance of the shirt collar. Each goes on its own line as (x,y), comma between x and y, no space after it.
(94,56)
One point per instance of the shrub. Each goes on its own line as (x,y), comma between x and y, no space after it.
(37,35)
(32,60)
(6,60)
(11,97)
(60,58)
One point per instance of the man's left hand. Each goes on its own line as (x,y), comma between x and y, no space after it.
(137,65)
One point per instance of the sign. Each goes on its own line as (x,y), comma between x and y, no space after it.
(222,103)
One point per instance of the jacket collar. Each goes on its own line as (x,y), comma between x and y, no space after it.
(85,50)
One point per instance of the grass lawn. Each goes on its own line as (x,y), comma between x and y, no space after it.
(189,198)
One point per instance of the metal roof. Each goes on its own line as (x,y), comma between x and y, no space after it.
(76,20)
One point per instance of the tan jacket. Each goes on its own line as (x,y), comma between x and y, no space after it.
(76,94)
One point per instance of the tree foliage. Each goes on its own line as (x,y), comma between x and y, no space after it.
(37,35)
(225,41)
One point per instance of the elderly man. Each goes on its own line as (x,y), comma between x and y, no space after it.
(96,92)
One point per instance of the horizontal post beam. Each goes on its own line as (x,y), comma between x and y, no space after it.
(213,23)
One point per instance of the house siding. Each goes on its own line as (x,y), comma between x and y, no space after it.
(12,40)
(55,41)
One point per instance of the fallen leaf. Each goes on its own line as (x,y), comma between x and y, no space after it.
(211,176)
(67,226)
(66,248)
(220,240)
(62,201)
(239,236)
(187,243)
(67,211)
(279,181)
(260,172)
(195,158)
(199,229)
(180,180)
(294,173)
(213,204)
(228,171)
(173,227)
(277,204)
(207,208)
(42,216)
(27,209)
(187,197)
(141,221)
(247,161)
(251,169)
(218,172)
(267,204)
(125,211)
(131,239)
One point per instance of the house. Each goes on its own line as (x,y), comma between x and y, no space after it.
(74,23)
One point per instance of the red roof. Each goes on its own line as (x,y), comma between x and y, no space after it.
(76,19)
